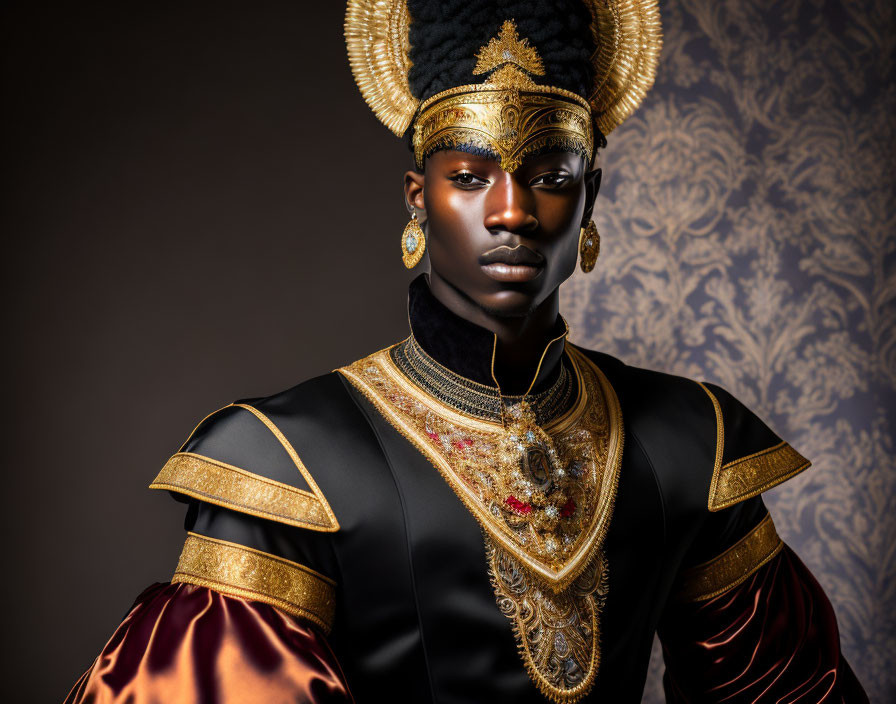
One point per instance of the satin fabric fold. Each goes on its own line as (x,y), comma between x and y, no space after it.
(183,644)
(774,639)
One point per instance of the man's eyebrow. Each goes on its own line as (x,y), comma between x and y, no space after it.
(539,164)
(481,153)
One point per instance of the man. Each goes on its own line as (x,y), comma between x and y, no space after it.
(483,511)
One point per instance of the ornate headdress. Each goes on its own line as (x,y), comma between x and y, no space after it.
(504,78)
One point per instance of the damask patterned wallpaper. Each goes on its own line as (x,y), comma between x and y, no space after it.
(747,220)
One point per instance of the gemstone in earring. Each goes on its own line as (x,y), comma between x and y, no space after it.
(413,243)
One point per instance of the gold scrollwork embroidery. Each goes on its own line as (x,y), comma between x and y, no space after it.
(558,633)
(509,123)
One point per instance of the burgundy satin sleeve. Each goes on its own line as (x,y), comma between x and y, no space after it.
(773,638)
(183,644)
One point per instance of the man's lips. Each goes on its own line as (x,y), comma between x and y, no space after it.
(517,255)
(514,265)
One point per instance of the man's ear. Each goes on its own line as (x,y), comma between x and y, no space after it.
(592,186)
(413,192)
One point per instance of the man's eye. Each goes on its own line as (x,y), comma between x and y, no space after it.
(554,179)
(465,178)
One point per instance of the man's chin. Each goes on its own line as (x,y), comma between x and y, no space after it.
(509,305)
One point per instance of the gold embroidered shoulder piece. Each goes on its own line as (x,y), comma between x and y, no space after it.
(544,497)
(222,484)
(745,477)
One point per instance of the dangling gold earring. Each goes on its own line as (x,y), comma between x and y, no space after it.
(589,246)
(413,243)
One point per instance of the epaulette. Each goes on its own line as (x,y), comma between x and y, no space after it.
(237,458)
(750,458)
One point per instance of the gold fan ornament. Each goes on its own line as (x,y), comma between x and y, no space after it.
(509,113)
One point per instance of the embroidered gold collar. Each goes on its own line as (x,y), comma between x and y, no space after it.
(472,398)
(544,497)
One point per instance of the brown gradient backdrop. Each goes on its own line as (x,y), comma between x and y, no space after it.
(197,206)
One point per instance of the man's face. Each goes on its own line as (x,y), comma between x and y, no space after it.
(505,241)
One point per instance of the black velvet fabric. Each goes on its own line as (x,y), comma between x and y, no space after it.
(446,35)
(466,348)
(745,432)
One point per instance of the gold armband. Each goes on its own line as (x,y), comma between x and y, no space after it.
(732,567)
(243,572)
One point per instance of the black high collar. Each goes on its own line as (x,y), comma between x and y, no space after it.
(466,348)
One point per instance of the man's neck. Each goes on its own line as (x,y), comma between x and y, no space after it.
(520,339)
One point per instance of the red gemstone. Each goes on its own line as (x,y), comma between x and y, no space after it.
(433,435)
(517,505)
(569,508)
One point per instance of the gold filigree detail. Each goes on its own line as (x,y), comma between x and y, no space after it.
(224,485)
(749,476)
(589,246)
(544,497)
(510,123)
(508,48)
(413,243)
(247,573)
(732,567)
(558,633)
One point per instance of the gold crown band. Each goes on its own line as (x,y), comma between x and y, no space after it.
(507,122)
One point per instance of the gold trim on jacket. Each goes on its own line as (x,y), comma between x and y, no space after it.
(222,484)
(749,476)
(247,573)
(732,567)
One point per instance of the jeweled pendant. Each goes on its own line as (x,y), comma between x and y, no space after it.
(413,243)
(589,247)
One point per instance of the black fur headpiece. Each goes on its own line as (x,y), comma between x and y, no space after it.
(445,36)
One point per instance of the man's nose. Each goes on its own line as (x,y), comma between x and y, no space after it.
(509,207)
